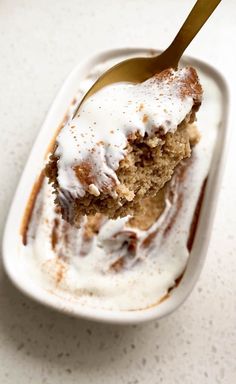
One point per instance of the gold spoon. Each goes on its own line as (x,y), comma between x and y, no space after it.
(139,69)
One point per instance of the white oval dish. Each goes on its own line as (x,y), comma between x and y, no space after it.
(28,280)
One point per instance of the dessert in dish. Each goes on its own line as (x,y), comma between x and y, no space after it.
(145,256)
(123,145)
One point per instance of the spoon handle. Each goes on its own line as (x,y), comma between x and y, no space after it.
(199,14)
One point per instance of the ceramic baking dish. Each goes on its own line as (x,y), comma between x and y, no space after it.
(16,267)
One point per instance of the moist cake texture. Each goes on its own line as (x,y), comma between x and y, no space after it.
(124,145)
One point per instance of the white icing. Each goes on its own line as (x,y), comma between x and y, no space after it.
(98,135)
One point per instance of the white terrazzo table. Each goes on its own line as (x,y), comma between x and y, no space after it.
(41,41)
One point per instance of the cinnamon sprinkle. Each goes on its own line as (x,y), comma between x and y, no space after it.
(30,207)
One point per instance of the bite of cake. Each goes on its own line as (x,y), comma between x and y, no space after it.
(124,144)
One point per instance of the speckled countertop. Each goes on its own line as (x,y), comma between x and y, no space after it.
(41,41)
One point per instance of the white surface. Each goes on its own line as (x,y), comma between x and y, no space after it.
(33,270)
(40,43)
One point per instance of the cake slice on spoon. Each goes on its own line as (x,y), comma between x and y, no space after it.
(124,145)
